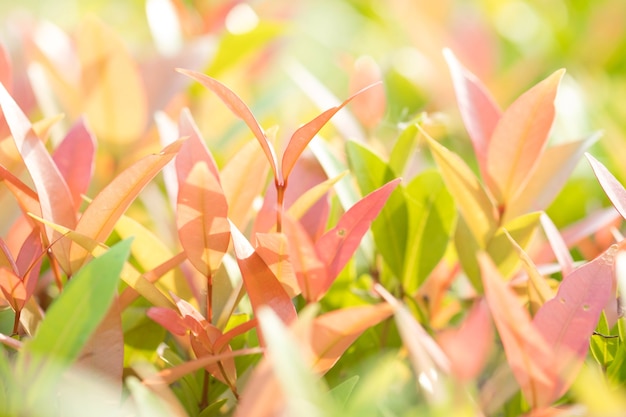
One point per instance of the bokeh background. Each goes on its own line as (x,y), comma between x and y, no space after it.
(287,58)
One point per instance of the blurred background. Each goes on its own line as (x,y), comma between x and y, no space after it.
(289,58)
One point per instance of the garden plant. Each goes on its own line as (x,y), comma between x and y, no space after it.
(224,226)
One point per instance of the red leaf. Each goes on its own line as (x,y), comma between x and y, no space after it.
(337,246)
(301,137)
(29,262)
(169,319)
(203,228)
(478,109)
(75,159)
(528,353)
(567,321)
(261,284)
(520,138)
(240,109)
(53,193)
(612,187)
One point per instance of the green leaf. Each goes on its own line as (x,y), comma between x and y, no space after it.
(432,214)
(6,384)
(70,320)
(148,404)
(402,149)
(341,393)
(389,228)
(605,350)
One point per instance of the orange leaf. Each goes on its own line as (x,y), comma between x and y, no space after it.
(113,93)
(193,150)
(309,268)
(25,196)
(243,179)
(13,289)
(261,284)
(273,248)
(303,135)
(6,69)
(371,108)
(203,228)
(75,159)
(527,351)
(102,213)
(332,333)
(520,138)
(478,109)
(53,193)
(240,109)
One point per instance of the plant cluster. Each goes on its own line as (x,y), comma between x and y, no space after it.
(320,273)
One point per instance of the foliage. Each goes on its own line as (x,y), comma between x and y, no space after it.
(167,250)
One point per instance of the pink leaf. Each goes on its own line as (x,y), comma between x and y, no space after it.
(75,159)
(468,346)
(567,321)
(240,109)
(193,150)
(559,247)
(528,353)
(612,187)
(520,138)
(54,196)
(478,109)
(273,248)
(301,137)
(169,319)
(337,246)
(261,284)
(6,69)
(371,108)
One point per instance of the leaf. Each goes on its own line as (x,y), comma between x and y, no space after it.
(13,289)
(389,228)
(203,228)
(75,159)
(312,195)
(6,68)
(371,108)
(342,392)
(528,353)
(611,186)
(303,135)
(520,138)
(474,203)
(567,321)
(334,332)
(558,245)
(261,284)
(432,214)
(273,248)
(113,95)
(107,207)
(336,246)
(309,269)
(304,392)
(129,274)
(52,191)
(147,403)
(469,345)
(243,178)
(553,169)
(155,258)
(193,150)
(239,109)
(25,196)
(479,111)
(70,321)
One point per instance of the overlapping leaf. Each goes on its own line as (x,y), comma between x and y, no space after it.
(520,138)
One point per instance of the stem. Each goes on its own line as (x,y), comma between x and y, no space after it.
(280,204)
(204,401)
(54,265)
(209,298)
(16,322)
